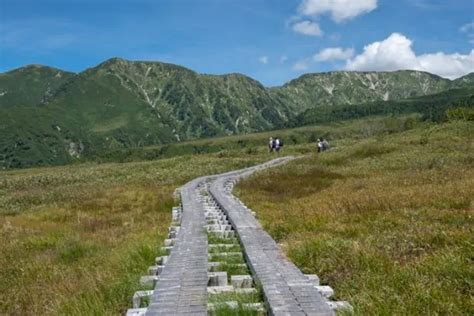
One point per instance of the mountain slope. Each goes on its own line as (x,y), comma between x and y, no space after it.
(465,81)
(202,105)
(48,116)
(121,104)
(321,89)
(432,107)
(30,85)
(167,102)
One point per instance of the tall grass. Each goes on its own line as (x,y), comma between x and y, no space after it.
(387,220)
(74,240)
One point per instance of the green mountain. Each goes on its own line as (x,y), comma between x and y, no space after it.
(465,81)
(343,87)
(142,103)
(30,85)
(48,116)
(432,107)
(121,104)
(195,105)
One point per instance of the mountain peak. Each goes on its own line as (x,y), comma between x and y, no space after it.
(38,68)
(116,60)
(111,62)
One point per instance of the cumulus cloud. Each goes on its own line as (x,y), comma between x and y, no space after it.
(307,28)
(395,53)
(390,54)
(263,60)
(340,10)
(450,66)
(334,53)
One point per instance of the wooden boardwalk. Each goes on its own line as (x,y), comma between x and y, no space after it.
(181,285)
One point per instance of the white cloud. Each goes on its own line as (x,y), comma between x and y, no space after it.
(283,59)
(340,10)
(263,60)
(301,65)
(307,28)
(396,53)
(450,66)
(334,53)
(390,54)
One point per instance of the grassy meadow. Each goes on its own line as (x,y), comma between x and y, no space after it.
(75,239)
(385,219)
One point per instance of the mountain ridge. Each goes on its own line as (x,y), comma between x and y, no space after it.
(113,59)
(49,116)
(320,85)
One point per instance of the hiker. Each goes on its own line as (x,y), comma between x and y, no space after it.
(319,144)
(325,144)
(271,145)
(278,144)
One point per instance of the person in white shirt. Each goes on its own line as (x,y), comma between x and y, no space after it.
(320,145)
(271,145)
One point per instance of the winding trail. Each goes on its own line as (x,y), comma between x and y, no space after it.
(287,290)
(181,285)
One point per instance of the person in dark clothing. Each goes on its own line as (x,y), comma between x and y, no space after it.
(325,144)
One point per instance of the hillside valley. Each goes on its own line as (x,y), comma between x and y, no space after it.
(49,116)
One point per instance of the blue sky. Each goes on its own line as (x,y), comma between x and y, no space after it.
(272,41)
